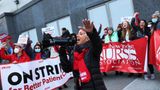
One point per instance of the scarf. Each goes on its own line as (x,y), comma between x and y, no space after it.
(80,65)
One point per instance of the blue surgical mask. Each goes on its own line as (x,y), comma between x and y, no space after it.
(154,20)
(37,50)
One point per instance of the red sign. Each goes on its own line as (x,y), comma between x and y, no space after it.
(4,37)
(154,52)
(125,57)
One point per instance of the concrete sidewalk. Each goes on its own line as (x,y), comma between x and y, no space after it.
(141,84)
(124,82)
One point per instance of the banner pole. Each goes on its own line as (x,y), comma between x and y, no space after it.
(146,60)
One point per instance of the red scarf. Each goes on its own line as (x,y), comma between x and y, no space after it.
(80,65)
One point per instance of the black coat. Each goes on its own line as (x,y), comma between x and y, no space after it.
(138,32)
(92,61)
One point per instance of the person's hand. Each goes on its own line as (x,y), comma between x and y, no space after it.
(146,36)
(88,25)
(152,30)
(110,43)
(62,50)
(100,25)
(123,41)
(136,14)
(3,45)
(14,62)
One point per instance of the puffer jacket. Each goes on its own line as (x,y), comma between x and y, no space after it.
(13,57)
(92,61)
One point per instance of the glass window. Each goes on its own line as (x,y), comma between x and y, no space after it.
(65,22)
(119,9)
(99,16)
(32,34)
(111,13)
(25,33)
(59,24)
(55,26)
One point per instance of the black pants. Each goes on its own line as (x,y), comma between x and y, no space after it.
(151,68)
(76,80)
(76,86)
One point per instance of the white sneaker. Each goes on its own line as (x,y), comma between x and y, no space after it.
(153,76)
(146,77)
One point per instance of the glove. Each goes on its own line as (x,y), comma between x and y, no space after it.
(62,50)
(64,62)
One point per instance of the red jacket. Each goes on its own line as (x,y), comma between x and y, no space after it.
(13,57)
(37,56)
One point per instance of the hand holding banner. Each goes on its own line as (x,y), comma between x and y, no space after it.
(154,52)
(126,57)
(35,75)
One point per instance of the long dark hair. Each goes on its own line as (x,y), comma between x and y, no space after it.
(39,46)
(124,30)
(146,24)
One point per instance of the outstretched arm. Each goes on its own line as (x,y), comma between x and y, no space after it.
(93,35)
(135,21)
(99,29)
(66,64)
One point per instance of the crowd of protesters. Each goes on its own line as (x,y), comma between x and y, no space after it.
(128,31)
(88,49)
(18,53)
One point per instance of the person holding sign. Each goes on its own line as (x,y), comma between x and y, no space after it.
(85,65)
(19,55)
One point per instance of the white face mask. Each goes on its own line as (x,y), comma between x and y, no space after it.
(16,50)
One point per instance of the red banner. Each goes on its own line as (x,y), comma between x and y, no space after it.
(154,51)
(125,57)
(4,37)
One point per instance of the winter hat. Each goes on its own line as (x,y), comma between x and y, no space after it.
(156,13)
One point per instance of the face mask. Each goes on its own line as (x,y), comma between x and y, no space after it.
(16,50)
(154,20)
(37,50)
